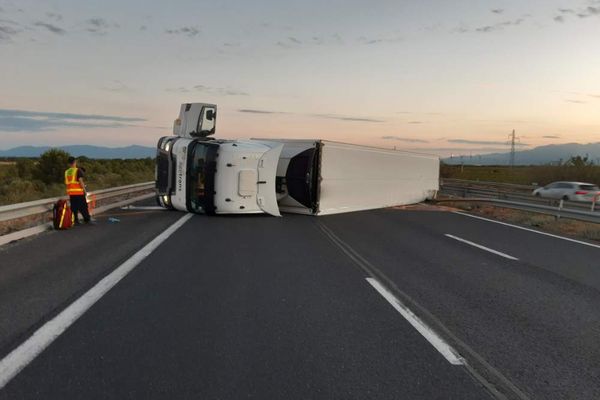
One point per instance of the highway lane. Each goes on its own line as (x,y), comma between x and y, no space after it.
(42,274)
(535,319)
(574,261)
(273,308)
(254,307)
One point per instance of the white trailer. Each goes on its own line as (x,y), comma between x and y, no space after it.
(316,177)
(324,177)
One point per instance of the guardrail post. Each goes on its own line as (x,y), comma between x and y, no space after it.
(594,202)
(560,206)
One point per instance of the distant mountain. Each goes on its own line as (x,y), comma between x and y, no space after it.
(133,151)
(538,155)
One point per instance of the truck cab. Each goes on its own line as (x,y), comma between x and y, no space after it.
(199,174)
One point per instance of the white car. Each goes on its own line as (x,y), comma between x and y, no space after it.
(573,191)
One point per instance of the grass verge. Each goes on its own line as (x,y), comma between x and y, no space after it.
(547,223)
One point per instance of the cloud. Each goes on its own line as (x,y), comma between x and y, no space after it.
(189,31)
(6,30)
(17,124)
(35,121)
(483,142)
(418,113)
(220,91)
(117,86)
(458,150)
(499,26)
(251,111)
(292,42)
(589,12)
(328,116)
(54,16)
(179,89)
(415,122)
(403,139)
(559,18)
(216,91)
(275,27)
(497,10)
(580,94)
(99,26)
(348,119)
(379,39)
(486,29)
(289,42)
(44,114)
(52,28)
(551,137)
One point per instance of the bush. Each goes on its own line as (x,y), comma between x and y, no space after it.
(28,179)
(25,168)
(573,170)
(51,166)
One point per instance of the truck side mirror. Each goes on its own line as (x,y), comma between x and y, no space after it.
(210,114)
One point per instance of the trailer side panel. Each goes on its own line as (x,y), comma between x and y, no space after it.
(357,178)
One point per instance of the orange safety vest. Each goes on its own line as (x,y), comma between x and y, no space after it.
(74,188)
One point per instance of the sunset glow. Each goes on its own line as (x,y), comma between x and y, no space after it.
(435,76)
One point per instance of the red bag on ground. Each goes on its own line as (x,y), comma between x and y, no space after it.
(62,217)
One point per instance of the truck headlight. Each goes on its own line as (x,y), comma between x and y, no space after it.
(167,146)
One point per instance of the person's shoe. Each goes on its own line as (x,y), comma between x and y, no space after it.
(91,222)
(77,222)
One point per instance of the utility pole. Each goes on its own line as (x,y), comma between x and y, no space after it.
(512,148)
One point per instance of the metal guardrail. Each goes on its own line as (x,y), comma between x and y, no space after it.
(500,185)
(587,212)
(42,209)
(465,191)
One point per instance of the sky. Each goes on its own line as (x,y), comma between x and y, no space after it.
(436,76)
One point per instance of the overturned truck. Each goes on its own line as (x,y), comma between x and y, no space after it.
(201,174)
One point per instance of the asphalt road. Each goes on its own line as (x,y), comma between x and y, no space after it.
(262,307)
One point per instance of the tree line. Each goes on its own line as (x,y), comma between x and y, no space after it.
(25,179)
(578,169)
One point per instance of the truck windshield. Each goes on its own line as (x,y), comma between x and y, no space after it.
(200,177)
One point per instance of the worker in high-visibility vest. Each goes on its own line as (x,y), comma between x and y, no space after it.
(76,191)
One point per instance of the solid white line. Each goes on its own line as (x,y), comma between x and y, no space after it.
(20,357)
(482,247)
(440,344)
(528,229)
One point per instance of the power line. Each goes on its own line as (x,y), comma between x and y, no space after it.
(513,138)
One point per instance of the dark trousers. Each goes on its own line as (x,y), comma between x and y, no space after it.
(79,205)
